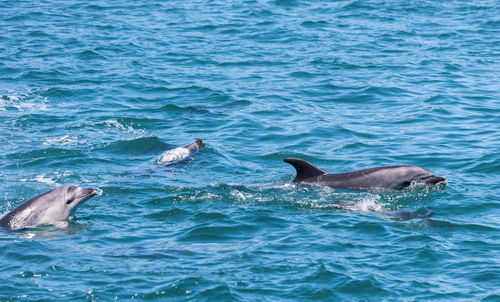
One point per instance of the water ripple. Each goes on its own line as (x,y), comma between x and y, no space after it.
(92,93)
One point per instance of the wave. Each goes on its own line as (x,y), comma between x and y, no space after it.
(134,146)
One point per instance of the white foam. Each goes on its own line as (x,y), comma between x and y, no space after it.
(239,195)
(41,178)
(369,204)
(29,101)
(117,124)
(114,123)
(172,156)
(62,140)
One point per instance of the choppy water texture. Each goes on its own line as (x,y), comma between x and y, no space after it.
(91,93)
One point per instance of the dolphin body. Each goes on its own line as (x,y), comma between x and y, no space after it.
(175,155)
(401,215)
(390,177)
(47,208)
(405,215)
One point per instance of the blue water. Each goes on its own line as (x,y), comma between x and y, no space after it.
(91,93)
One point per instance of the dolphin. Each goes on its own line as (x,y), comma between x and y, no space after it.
(401,215)
(405,215)
(47,208)
(389,177)
(175,155)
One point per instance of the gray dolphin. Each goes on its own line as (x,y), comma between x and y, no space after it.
(405,215)
(47,208)
(390,177)
(175,155)
(401,215)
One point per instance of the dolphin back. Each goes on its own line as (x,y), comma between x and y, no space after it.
(388,177)
(178,154)
(304,169)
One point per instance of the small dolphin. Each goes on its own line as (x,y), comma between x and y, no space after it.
(390,177)
(47,208)
(175,155)
(405,215)
(401,215)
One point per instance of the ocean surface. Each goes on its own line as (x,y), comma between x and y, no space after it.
(93,92)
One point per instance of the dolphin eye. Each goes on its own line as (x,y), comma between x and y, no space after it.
(69,201)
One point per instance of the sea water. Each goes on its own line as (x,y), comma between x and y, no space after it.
(91,93)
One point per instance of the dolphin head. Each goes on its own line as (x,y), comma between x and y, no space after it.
(47,208)
(416,175)
(62,202)
(75,196)
(193,147)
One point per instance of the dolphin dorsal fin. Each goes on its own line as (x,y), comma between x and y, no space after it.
(304,169)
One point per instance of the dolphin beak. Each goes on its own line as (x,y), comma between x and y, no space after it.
(434,180)
(87,194)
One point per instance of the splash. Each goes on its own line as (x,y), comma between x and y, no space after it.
(41,178)
(62,140)
(369,204)
(24,102)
